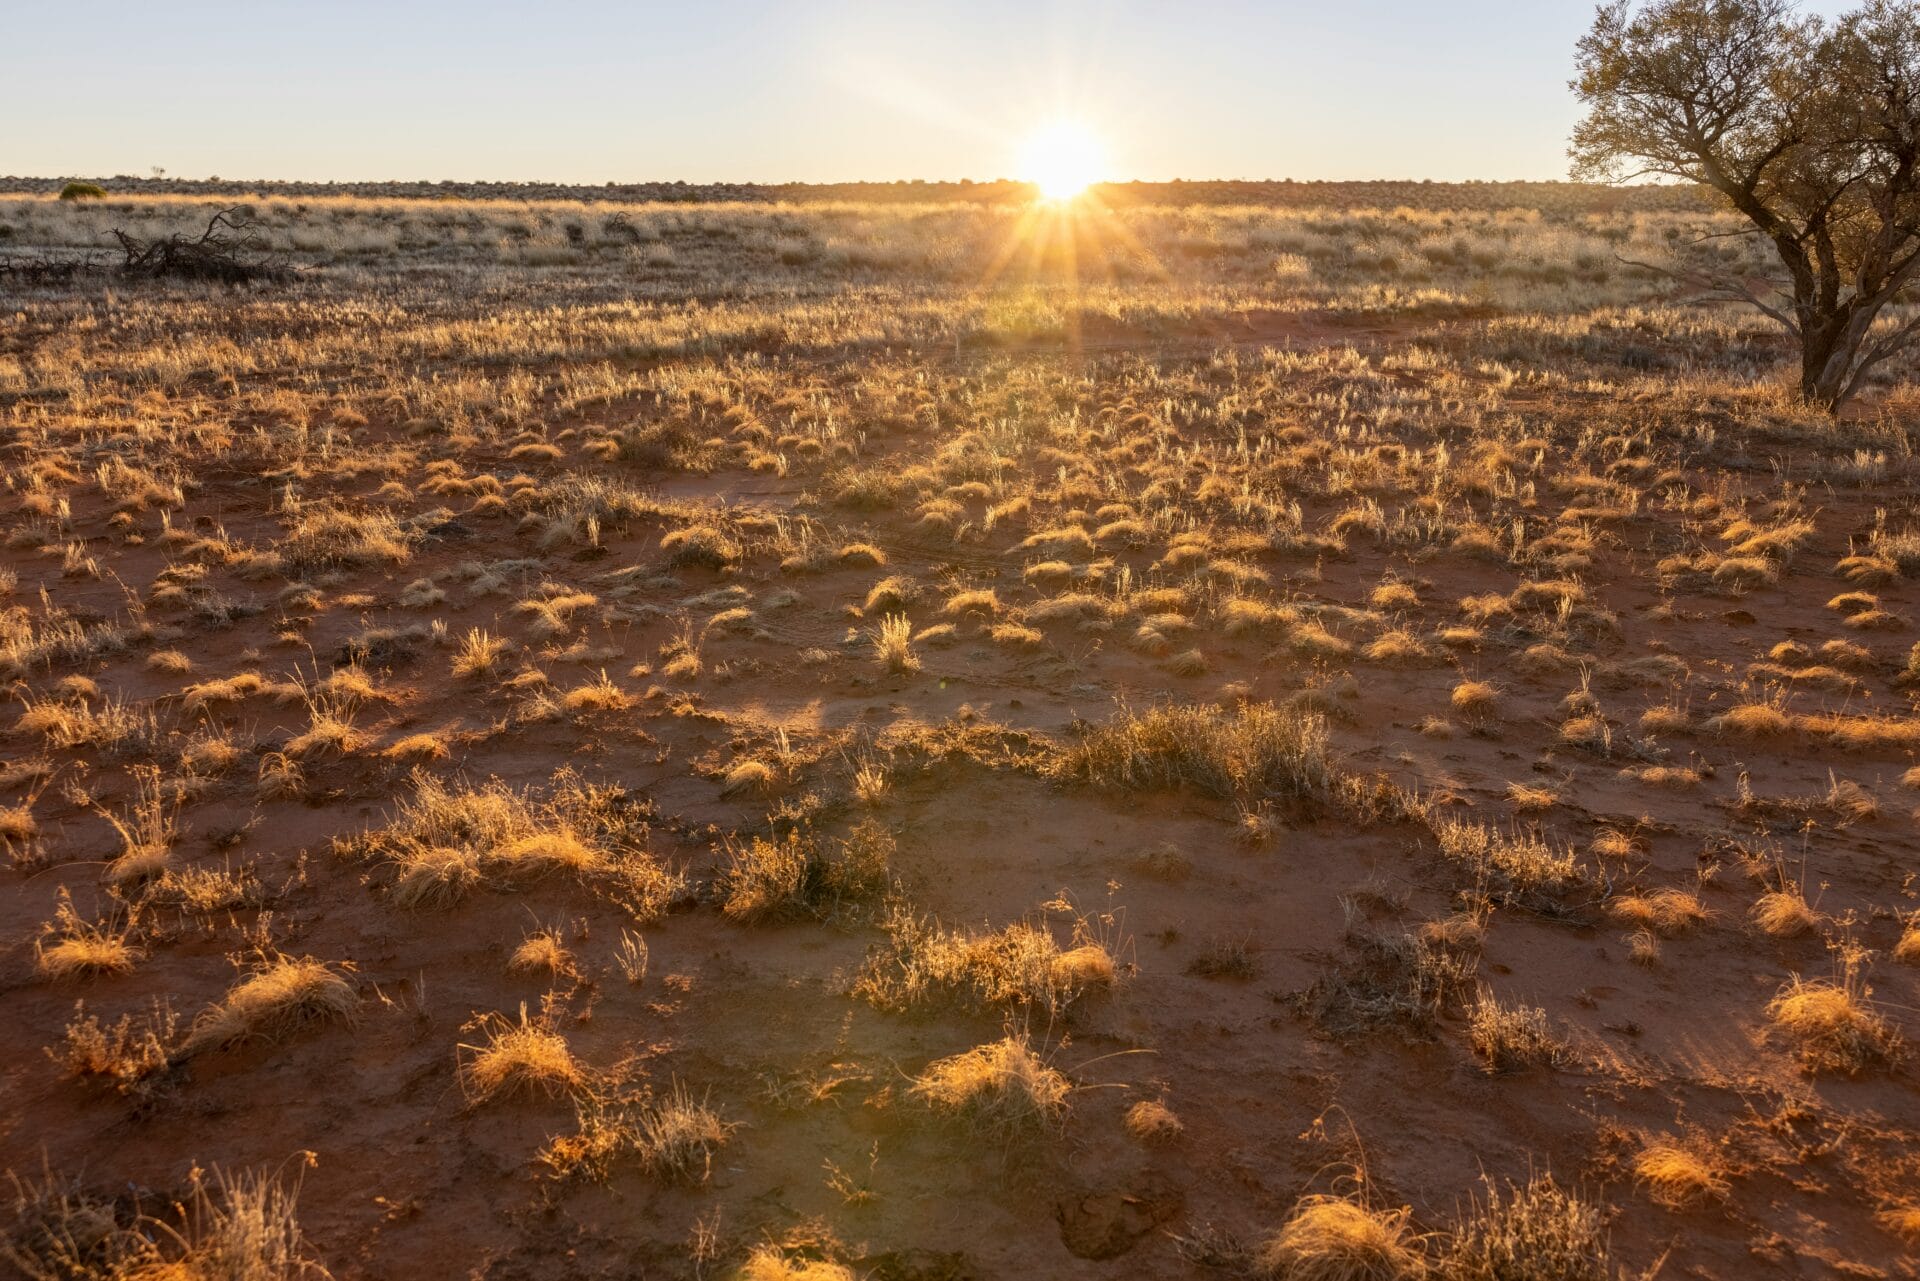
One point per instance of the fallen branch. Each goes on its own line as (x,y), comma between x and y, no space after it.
(228,252)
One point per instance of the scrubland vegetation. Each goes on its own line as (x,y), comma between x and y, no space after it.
(948,741)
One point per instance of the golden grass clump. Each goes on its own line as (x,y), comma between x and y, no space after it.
(1151,1121)
(226,1227)
(770,1263)
(599,695)
(978,603)
(1005,1090)
(749,776)
(1903,1221)
(1477,699)
(1752,720)
(1665,720)
(1254,749)
(1643,947)
(677,1136)
(1669,912)
(1335,1238)
(327,534)
(1865,733)
(444,841)
(1398,648)
(1907,949)
(893,644)
(1835,1024)
(1784,912)
(798,876)
(1083,968)
(1527,799)
(925,965)
(282,995)
(1678,1175)
(701,546)
(516,1058)
(73,948)
(418,748)
(1518,863)
(87,955)
(480,653)
(541,952)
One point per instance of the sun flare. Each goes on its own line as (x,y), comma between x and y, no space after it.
(1062,160)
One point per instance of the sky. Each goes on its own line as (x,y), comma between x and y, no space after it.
(594,91)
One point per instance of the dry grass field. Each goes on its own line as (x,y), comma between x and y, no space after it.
(947,741)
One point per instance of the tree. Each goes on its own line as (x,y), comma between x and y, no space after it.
(1809,129)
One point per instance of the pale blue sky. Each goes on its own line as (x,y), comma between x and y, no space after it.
(750,90)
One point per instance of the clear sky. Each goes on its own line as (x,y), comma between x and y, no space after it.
(808,90)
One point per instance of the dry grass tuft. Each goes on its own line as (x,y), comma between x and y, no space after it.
(1509,1038)
(771,1263)
(1251,751)
(81,949)
(1533,1232)
(1331,1238)
(1907,949)
(444,841)
(1835,1024)
(328,535)
(678,1135)
(893,644)
(1151,1121)
(1784,912)
(1903,1221)
(1518,865)
(1019,967)
(543,953)
(480,654)
(1475,699)
(517,1058)
(227,1227)
(1677,1175)
(1668,913)
(281,996)
(794,877)
(1752,720)
(1004,1091)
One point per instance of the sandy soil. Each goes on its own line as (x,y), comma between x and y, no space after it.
(411,1177)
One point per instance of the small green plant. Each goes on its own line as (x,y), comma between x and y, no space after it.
(82,191)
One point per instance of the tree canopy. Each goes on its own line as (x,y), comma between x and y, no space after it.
(1809,129)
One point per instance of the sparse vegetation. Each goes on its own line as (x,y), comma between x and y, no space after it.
(999,720)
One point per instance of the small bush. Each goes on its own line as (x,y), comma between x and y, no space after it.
(673,1138)
(925,966)
(792,877)
(83,191)
(1536,1232)
(1518,867)
(1507,1038)
(1255,750)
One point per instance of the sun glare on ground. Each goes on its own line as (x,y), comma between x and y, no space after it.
(1062,160)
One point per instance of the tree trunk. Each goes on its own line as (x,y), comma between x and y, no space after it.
(1829,349)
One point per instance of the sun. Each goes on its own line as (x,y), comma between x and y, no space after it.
(1062,160)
